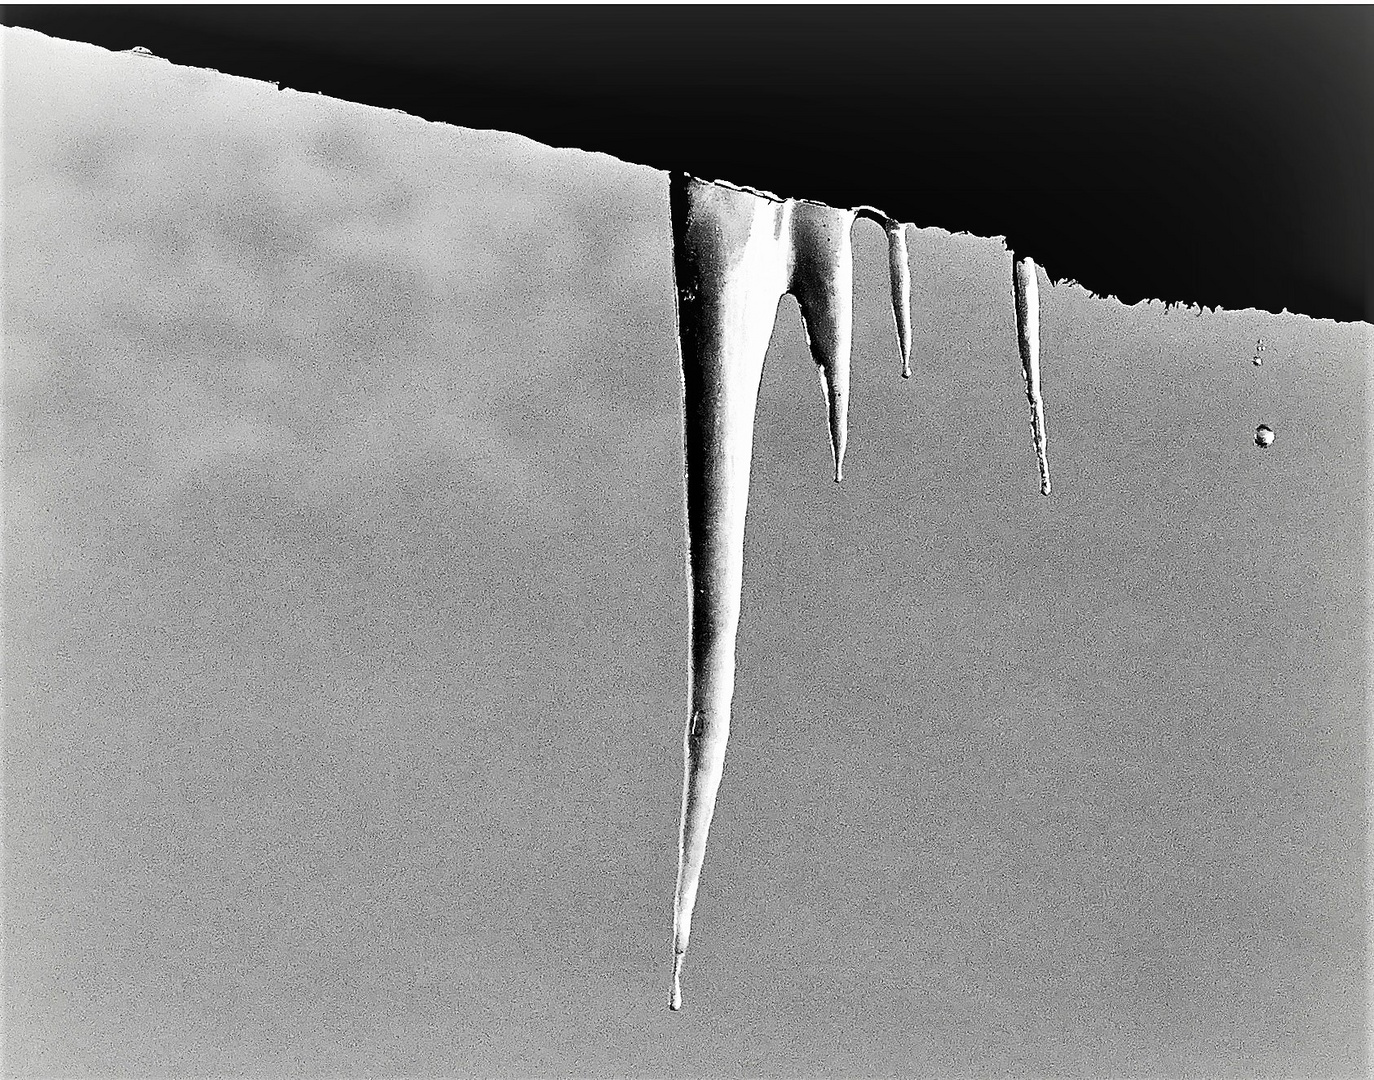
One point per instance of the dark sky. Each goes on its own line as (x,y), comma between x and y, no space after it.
(345,636)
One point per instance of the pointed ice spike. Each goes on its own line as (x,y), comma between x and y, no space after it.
(1026,292)
(730,260)
(823,283)
(899,274)
(900,269)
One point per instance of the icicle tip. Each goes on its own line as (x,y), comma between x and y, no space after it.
(675,997)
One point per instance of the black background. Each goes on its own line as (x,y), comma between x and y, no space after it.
(1212,155)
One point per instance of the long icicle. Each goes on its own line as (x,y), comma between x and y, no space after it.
(730,261)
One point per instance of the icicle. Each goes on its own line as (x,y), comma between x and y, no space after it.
(899,265)
(732,263)
(822,280)
(1027,296)
(899,272)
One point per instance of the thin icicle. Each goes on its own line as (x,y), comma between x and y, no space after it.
(1026,291)
(899,273)
(899,266)
(822,280)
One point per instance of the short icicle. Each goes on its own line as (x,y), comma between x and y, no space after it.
(1026,292)
(899,273)
(731,261)
(899,265)
(822,280)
